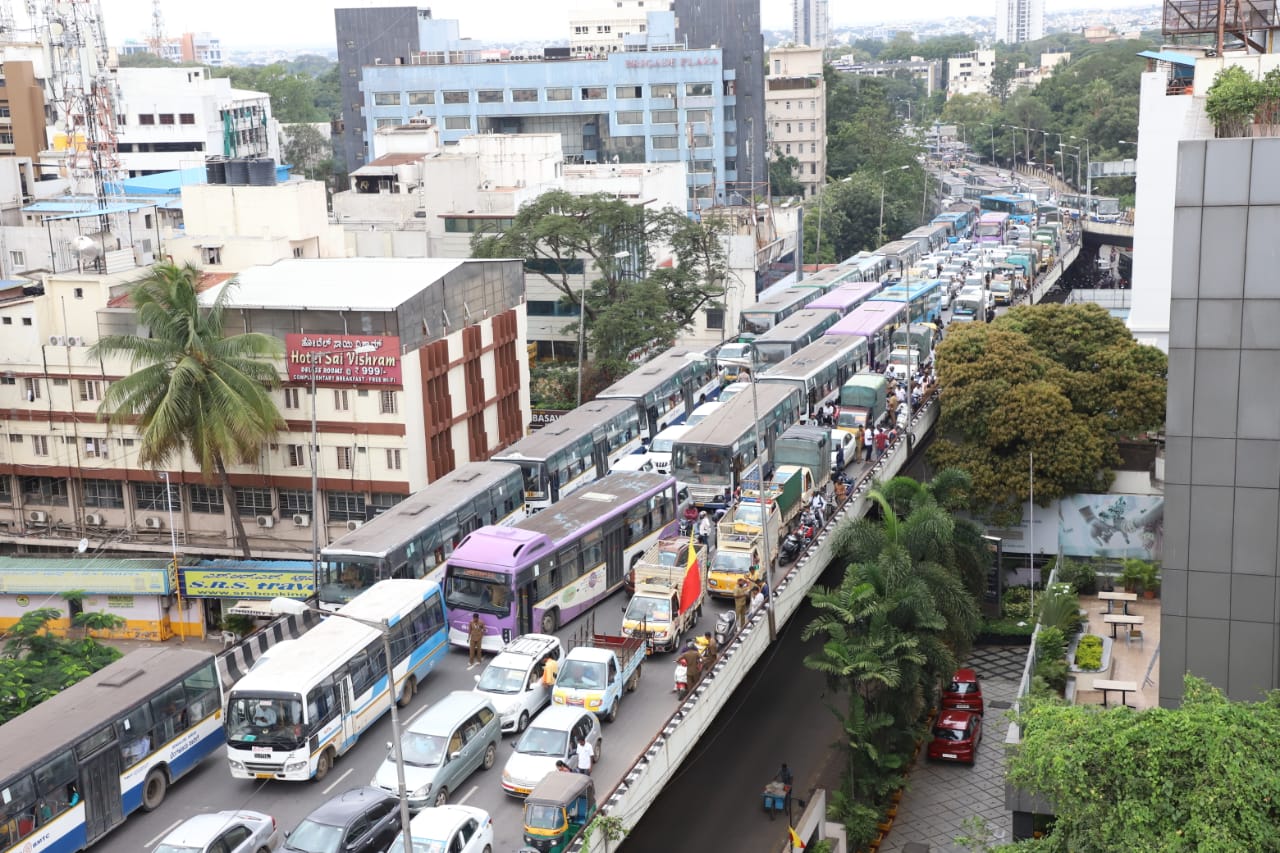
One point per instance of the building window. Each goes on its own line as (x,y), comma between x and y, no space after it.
(79,291)
(788,148)
(254,501)
(344,458)
(630,117)
(665,116)
(146,119)
(699,90)
(291,398)
(95,448)
(603,28)
(490,96)
(524,96)
(295,455)
(594,93)
(166,118)
(662,90)
(813,168)
(457,96)
(813,127)
(421,99)
(211,255)
(15,438)
(387,122)
(7,321)
(457,122)
(18,259)
(715,319)
(384,500)
(628,92)
(813,148)
(294,500)
(206,499)
(345,506)
(151,496)
(4,110)
(6,489)
(386,99)
(47,491)
(60,382)
(730,113)
(387,402)
(788,105)
(666,142)
(698,115)
(90,390)
(40,445)
(703,165)
(788,127)
(559,93)
(30,385)
(186,118)
(104,494)
(701,140)
(393,459)
(341,399)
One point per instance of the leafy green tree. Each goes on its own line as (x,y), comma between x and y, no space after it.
(1002,80)
(191,388)
(782,175)
(1197,777)
(310,151)
(294,95)
(902,45)
(38,664)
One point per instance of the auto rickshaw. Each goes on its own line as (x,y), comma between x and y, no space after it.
(557,809)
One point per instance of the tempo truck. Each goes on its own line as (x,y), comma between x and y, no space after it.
(657,610)
(594,676)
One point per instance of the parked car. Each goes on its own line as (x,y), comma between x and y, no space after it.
(956,735)
(513,679)
(449,829)
(964,693)
(362,820)
(455,737)
(223,832)
(548,739)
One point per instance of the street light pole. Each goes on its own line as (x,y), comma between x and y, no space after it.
(764,499)
(1088,159)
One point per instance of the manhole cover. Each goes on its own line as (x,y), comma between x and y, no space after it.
(1001,704)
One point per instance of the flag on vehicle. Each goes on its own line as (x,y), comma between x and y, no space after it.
(691,588)
(796,843)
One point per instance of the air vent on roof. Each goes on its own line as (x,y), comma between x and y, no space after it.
(599,496)
(121,677)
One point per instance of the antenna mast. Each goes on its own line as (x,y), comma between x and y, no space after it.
(156,40)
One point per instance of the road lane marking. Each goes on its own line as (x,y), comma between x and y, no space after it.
(416,715)
(163,833)
(338,781)
(467,795)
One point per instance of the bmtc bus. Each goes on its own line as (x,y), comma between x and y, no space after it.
(414,537)
(308,702)
(574,450)
(667,387)
(1020,208)
(845,298)
(792,334)
(767,313)
(925,298)
(75,766)
(874,321)
(991,228)
(821,368)
(556,565)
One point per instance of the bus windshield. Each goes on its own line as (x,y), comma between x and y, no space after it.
(706,465)
(343,580)
(265,721)
(769,352)
(477,589)
(989,229)
(534,481)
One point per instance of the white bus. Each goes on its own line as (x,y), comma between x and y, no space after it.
(291,717)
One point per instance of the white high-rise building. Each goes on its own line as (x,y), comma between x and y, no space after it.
(810,24)
(603,26)
(1019,20)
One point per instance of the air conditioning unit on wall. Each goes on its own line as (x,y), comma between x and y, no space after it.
(153,522)
(301,519)
(94,519)
(354,525)
(266,521)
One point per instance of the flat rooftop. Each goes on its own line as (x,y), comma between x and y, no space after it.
(334,284)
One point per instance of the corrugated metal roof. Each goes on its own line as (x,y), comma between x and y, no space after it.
(1169,56)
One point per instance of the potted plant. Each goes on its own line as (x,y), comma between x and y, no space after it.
(1231,101)
(1133,574)
(1150,579)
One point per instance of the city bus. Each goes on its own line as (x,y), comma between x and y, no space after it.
(574,450)
(767,313)
(874,321)
(308,703)
(1020,208)
(821,368)
(931,237)
(1099,208)
(827,279)
(869,267)
(846,297)
(991,228)
(709,459)
(554,566)
(79,763)
(414,537)
(925,298)
(792,334)
(667,387)
(900,254)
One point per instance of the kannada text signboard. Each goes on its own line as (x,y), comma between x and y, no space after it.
(335,360)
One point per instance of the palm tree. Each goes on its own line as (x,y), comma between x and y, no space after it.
(190,387)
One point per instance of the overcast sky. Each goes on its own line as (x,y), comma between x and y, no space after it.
(255,23)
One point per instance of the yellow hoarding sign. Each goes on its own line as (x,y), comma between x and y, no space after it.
(238,584)
(37,581)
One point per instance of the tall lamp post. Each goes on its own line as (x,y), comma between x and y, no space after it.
(283,606)
(1088,168)
(880,228)
(1077,156)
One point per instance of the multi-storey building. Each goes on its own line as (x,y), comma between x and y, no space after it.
(172,118)
(796,110)
(1019,20)
(810,24)
(22,118)
(609,25)
(970,73)
(188,47)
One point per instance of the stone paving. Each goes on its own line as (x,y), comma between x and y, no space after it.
(940,796)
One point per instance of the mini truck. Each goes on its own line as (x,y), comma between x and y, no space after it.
(862,401)
(595,676)
(656,610)
(790,490)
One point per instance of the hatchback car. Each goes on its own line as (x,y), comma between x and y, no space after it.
(964,693)
(956,735)
(223,832)
(513,679)
(449,829)
(549,739)
(362,820)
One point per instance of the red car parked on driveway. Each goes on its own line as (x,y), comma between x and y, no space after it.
(955,737)
(964,693)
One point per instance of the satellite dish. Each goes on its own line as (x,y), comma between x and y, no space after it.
(83,546)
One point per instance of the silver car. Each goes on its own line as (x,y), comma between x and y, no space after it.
(549,738)
(224,832)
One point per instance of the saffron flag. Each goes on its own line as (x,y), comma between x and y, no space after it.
(796,843)
(691,588)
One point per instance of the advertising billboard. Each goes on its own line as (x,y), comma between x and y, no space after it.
(343,359)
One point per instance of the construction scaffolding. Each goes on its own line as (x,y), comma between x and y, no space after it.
(1253,22)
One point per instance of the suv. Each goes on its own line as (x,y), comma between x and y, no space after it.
(363,820)
(455,737)
(513,679)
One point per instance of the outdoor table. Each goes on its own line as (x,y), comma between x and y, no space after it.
(1114,619)
(1124,688)
(1112,597)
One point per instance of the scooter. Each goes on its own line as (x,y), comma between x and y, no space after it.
(791,547)
(682,677)
(726,628)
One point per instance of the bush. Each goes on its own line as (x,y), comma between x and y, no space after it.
(1054,671)
(1051,643)
(1016,604)
(1006,628)
(1059,607)
(1089,652)
(1081,576)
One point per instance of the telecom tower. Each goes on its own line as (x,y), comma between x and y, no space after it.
(157,29)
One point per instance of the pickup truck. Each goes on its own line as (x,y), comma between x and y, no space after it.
(790,490)
(596,675)
(742,524)
(655,609)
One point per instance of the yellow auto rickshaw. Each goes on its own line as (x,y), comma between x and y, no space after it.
(557,809)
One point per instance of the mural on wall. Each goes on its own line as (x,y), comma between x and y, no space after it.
(1117,526)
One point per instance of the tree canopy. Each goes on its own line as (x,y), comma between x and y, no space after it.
(1062,382)
(1197,777)
(38,664)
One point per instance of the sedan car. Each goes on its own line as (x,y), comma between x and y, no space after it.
(964,693)
(449,829)
(362,820)
(956,735)
(223,832)
(841,438)
(549,739)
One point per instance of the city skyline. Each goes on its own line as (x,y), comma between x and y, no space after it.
(515,20)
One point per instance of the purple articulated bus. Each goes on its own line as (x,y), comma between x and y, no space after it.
(847,297)
(875,321)
(554,566)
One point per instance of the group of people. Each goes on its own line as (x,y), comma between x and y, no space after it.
(749,596)
(827,414)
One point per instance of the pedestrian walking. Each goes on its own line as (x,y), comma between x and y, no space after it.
(881,442)
(868,442)
(704,528)
(475,637)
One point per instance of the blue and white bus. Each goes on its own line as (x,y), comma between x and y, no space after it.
(1021,209)
(311,699)
(77,765)
(925,298)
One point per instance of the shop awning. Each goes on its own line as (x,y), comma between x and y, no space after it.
(256,609)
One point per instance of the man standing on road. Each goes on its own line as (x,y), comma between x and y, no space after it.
(586,755)
(740,601)
(881,442)
(868,442)
(475,636)
(859,439)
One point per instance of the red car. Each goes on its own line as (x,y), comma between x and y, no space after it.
(964,693)
(955,737)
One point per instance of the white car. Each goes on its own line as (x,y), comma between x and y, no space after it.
(223,832)
(549,739)
(449,829)
(660,448)
(841,438)
(728,392)
(513,679)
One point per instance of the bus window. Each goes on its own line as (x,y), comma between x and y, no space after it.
(170,711)
(55,783)
(202,693)
(134,733)
(17,810)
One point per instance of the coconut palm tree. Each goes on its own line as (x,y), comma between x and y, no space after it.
(191,388)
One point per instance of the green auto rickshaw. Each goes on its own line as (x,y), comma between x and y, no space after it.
(557,809)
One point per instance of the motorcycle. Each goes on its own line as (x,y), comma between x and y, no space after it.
(791,547)
(726,628)
(688,521)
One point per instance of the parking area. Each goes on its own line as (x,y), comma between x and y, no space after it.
(940,796)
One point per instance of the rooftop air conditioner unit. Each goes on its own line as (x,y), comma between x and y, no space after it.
(301,519)
(94,519)
(153,522)
(57,341)
(266,521)
(38,516)
(354,525)
(75,341)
